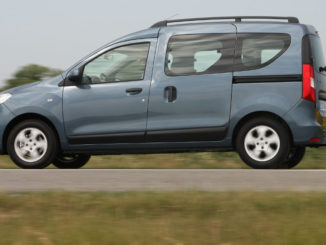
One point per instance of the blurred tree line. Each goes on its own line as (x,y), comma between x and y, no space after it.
(30,73)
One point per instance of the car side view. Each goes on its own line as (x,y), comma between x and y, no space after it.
(206,84)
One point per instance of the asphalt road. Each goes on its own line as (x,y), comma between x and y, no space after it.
(161,180)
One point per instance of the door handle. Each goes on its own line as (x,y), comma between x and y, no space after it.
(134,90)
(170,93)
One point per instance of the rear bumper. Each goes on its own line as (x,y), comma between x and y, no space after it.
(323,138)
(305,126)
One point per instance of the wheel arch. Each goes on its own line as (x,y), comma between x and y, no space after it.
(256,114)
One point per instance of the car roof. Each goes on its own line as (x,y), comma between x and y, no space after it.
(228,18)
(143,34)
(153,31)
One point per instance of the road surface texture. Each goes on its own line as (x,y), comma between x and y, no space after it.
(19,180)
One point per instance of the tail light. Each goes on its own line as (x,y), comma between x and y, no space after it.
(308,83)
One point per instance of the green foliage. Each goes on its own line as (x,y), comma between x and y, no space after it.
(163,218)
(31,73)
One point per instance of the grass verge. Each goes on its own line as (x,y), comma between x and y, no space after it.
(163,218)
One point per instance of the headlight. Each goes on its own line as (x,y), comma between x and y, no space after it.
(4,97)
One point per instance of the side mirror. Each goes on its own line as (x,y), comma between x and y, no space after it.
(74,76)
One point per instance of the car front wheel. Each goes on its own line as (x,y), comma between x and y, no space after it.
(32,144)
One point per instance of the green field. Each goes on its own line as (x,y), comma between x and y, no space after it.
(176,218)
(314,159)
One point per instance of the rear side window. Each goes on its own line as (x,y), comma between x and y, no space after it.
(199,54)
(258,50)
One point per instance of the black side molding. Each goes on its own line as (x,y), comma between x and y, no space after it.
(267,79)
(173,135)
(190,134)
(107,138)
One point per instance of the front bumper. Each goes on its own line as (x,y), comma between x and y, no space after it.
(5,117)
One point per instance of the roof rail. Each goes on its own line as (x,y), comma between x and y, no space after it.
(236,19)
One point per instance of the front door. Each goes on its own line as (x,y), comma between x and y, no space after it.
(110,103)
(191,91)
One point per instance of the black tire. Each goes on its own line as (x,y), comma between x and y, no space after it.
(71,161)
(267,129)
(45,156)
(294,158)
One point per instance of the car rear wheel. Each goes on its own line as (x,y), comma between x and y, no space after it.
(32,144)
(295,156)
(72,161)
(263,143)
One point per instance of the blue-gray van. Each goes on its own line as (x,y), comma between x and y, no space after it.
(256,85)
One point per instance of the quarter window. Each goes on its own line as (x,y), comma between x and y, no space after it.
(258,50)
(126,63)
(199,54)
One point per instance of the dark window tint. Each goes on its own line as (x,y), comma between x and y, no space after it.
(126,63)
(258,50)
(317,52)
(199,54)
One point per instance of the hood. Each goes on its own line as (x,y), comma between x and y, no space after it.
(17,89)
(27,87)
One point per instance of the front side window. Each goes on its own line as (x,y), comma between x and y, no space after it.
(258,50)
(199,54)
(126,63)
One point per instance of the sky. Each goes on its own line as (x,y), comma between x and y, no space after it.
(59,33)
